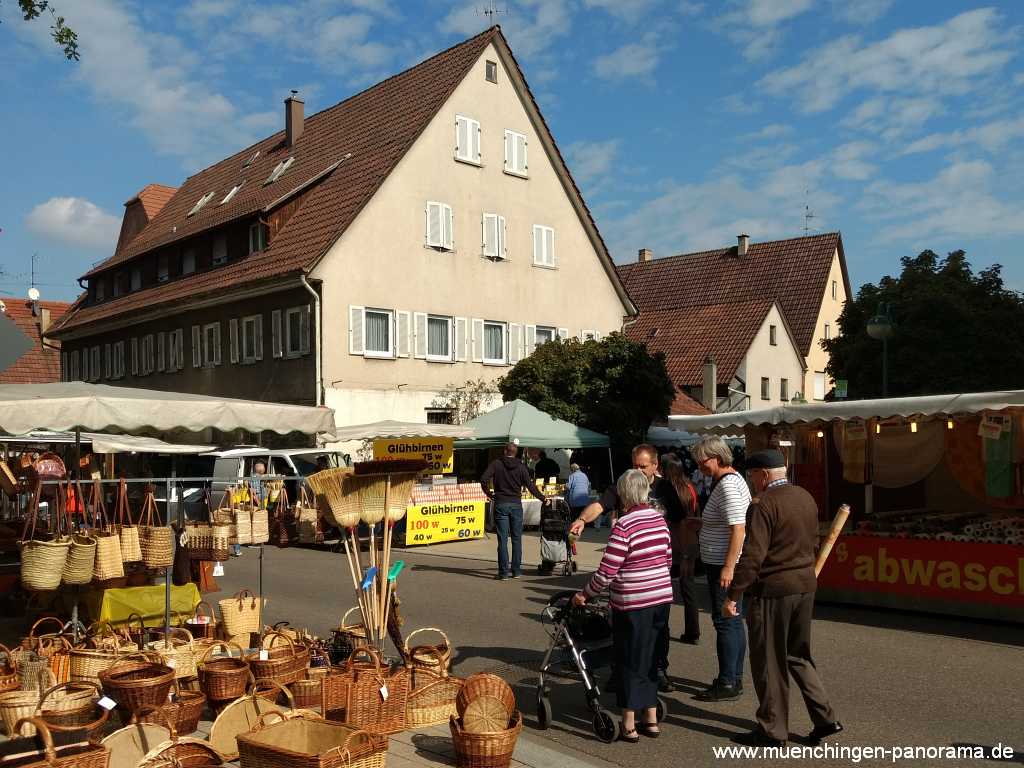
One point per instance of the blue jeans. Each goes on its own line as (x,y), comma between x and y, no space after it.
(508,520)
(731,636)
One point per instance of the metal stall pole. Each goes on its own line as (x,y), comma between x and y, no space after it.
(611,467)
(168,569)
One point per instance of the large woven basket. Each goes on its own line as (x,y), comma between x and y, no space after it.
(87,663)
(432,695)
(177,652)
(284,664)
(137,682)
(75,755)
(157,541)
(184,711)
(438,655)
(260,525)
(177,751)
(109,560)
(72,709)
(223,678)
(202,624)
(243,525)
(367,706)
(309,742)
(241,613)
(485,684)
(15,705)
(485,750)
(308,693)
(131,549)
(347,637)
(78,567)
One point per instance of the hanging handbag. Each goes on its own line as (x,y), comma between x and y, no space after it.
(131,550)
(281,533)
(260,521)
(156,541)
(109,565)
(307,519)
(241,515)
(78,568)
(43,558)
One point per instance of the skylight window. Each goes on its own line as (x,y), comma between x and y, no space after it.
(252,159)
(232,193)
(279,170)
(201,202)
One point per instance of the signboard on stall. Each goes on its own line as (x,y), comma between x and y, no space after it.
(436,451)
(444,521)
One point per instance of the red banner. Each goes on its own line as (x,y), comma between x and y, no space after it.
(975,573)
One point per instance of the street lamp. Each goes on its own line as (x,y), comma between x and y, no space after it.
(881,327)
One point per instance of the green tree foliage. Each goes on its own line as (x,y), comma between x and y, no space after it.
(465,401)
(614,386)
(956,331)
(63,35)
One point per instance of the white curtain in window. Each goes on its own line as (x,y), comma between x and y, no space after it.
(494,342)
(378,332)
(438,337)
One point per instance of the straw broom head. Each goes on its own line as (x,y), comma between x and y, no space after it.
(400,496)
(372,489)
(335,485)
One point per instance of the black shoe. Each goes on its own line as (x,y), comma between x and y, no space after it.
(664,684)
(824,731)
(515,575)
(719,692)
(503,577)
(758,738)
(690,639)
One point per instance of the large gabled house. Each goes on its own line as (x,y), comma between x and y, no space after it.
(421,233)
(758,310)
(25,355)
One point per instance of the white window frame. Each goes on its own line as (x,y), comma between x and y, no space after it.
(773,335)
(828,331)
(545,255)
(503,360)
(279,170)
(219,241)
(450,321)
(589,335)
(231,193)
(201,202)
(444,240)
(94,364)
(146,355)
(254,355)
(119,348)
(537,330)
(784,390)
(493,224)
(766,388)
(179,347)
(261,237)
(819,378)
(380,354)
(489,67)
(516,145)
(470,153)
(835,289)
(300,315)
(211,352)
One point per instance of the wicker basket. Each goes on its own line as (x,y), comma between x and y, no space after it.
(184,711)
(88,663)
(202,624)
(308,693)
(42,560)
(223,678)
(109,561)
(176,651)
(39,651)
(485,750)
(439,655)
(81,560)
(9,680)
(308,742)
(260,525)
(432,696)
(131,549)
(177,751)
(136,682)
(243,524)
(157,541)
(367,705)
(76,755)
(347,637)
(241,613)
(138,635)
(282,664)
(72,709)
(15,705)
(485,684)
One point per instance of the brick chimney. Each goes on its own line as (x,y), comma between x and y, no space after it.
(293,117)
(709,388)
(644,255)
(742,245)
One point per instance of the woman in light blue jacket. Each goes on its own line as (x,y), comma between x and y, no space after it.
(577,489)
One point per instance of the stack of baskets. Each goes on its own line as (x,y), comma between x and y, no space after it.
(223,678)
(177,652)
(137,681)
(279,658)
(488,724)
(433,690)
(72,709)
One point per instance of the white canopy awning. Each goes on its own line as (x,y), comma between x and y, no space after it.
(102,443)
(396,429)
(929,405)
(101,408)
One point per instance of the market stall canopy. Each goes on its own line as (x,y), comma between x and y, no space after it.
(667,436)
(67,406)
(804,413)
(395,429)
(103,443)
(531,426)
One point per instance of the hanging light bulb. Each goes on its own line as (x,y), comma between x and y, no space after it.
(949,424)
(820,433)
(913,426)
(878,428)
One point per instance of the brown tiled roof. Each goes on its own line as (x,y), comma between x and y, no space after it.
(687,336)
(153,198)
(40,364)
(684,405)
(791,272)
(369,133)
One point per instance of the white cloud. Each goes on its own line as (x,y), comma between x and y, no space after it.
(848,161)
(860,11)
(631,60)
(992,137)
(893,118)
(589,161)
(756,24)
(630,11)
(76,222)
(531,30)
(943,59)
(770,131)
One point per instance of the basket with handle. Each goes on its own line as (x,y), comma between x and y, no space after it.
(131,548)
(184,711)
(138,635)
(156,541)
(202,624)
(308,693)
(432,695)
(377,696)
(260,523)
(223,678)
(9,679)
(135,681)
(177,751)
(15,705)
(78,568)
(278,740)
(38,651)
(306,519)
(43,558)
(485,750)
(87,663)
(241,514)
(109,562)
(75,755)
(176,650)
(72,708)
(224,515)
(347,636)
(199,535)
(241,613)
(283,664)
(436,656)
(103,635)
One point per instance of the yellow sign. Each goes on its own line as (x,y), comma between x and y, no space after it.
(436,451)
(444,521)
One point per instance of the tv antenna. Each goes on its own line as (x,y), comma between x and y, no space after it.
(491,11)
(35,257)
(808,215)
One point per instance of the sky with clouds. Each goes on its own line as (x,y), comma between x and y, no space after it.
(898,122)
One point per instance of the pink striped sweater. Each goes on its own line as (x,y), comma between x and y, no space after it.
(636,562)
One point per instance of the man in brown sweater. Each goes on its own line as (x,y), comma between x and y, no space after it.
(775,577)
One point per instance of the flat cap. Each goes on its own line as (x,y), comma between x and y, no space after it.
(766,459)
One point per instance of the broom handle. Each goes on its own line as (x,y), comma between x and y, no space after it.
(833,534)
(355,580)
(387,610)
(372,594)
(357,565)
(383,572)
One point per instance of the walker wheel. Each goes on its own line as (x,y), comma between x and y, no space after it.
(604,726)
(660,710)
(543,710)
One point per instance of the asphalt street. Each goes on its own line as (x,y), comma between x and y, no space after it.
(896,679)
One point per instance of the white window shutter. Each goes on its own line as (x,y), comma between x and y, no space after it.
(474,135)
(490,235)
(500,232)
(448,220)
(460,339)
(521,153)
(508,150)
(161,351)
(461,138)
(515,343)
(549,248)
(355,331)
(135,356)
(180,341)
(233,344)
(538,244)
(435,234)
(197,347)
(216,344)
(402,343)
(531,339)
(477,340)
(304,330)
(563,334)
(420,334)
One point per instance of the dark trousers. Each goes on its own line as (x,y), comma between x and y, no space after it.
(780,646)
(508,521)
(637,637)
(691,615)
(730,637)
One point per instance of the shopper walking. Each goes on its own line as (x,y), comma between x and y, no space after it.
(682,513)
(577,489)
(635,567)
(509,476)
(721,541)
(776,576)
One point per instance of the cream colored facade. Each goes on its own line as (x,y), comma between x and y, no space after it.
(816,382)
(382,260)
(781,364)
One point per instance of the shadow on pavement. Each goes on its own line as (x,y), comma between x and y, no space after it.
(988,631)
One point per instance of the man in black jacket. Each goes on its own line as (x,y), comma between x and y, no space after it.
(509,476)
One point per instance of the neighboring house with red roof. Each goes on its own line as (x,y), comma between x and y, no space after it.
(24,357)
(422,233)
(760,310)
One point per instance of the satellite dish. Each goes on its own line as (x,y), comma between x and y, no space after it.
(33,293)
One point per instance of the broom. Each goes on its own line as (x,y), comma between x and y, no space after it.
(374,506)
(399,493)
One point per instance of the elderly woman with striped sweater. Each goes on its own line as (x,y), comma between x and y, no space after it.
(636,568)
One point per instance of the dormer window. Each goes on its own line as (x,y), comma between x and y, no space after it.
(279,170)
(136,278)
(163,269)
(257,237)
(201,202)
(220,250)
(252,159)
(232,193)
(188,261)
(100,292)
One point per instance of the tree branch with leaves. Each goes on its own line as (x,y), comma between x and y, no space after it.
(63,35)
